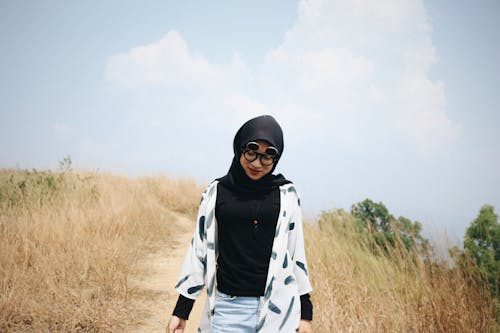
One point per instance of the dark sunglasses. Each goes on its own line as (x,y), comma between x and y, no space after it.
(250,152)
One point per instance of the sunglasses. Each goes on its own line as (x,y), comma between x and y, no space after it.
(250,153)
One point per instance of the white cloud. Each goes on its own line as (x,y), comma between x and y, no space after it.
(167,62)
(365,66)
(170,83)
(167,75)
(422,118)
(354,73)
(244,107)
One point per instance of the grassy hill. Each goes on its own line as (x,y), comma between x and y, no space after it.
(70,242)
(361,290)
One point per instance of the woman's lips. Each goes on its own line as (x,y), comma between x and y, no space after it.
(254,172)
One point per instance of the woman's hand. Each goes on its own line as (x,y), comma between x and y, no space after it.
(305,326)
(176,325)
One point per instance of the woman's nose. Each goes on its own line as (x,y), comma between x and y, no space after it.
(257,162)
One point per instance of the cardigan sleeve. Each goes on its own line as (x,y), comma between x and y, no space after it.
(306,307)
(184,306)
(296,246)
(192,278)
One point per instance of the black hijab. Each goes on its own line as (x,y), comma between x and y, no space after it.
(260,128)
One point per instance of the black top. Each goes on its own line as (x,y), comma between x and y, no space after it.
(246,223)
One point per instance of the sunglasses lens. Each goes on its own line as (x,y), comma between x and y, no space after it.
(271,151)
(253,146)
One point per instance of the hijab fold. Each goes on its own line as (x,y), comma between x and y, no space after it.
(260,128)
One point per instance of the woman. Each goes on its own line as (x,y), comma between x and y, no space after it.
(248,247)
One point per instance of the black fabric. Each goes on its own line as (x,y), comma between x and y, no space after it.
(259,128)
(246,224)
(306,307)
(183,307)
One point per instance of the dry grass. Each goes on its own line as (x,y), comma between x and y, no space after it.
(70,242)
(357,291)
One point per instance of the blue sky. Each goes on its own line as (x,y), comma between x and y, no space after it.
(394,100)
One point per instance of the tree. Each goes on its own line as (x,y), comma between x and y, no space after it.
(375,215)
(385,229)
(482,244)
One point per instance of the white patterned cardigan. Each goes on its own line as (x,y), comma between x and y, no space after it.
(287,277)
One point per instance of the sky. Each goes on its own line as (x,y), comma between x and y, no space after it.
(393,100)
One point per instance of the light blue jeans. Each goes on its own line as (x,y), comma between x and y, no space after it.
(235,314)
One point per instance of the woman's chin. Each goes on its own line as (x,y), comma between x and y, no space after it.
(255,176)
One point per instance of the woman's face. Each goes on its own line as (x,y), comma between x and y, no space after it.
(255,170)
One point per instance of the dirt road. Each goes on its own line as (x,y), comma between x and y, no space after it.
(162,270)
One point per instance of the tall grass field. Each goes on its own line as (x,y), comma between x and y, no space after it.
(71,241)
(357,289)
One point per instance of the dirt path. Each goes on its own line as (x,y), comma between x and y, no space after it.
(163,269)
